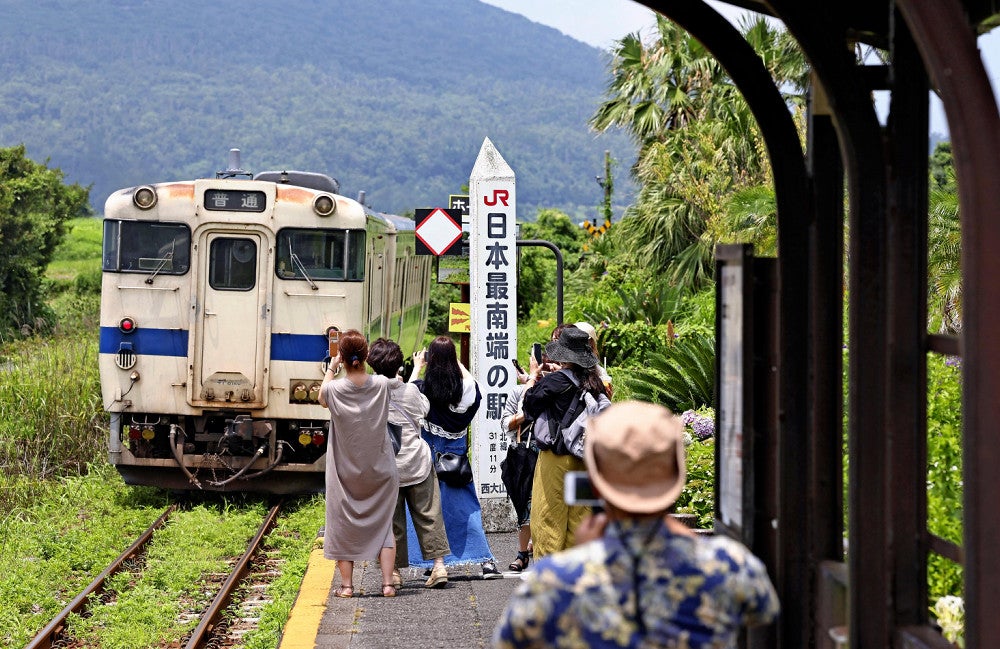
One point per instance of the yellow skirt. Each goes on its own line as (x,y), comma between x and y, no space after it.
(553,522)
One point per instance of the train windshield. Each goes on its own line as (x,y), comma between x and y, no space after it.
(144,247)
(320,255)
(232,264)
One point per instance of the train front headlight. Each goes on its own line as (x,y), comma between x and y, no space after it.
(144,197)
(324,205)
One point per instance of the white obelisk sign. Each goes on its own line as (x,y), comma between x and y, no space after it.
(493,336)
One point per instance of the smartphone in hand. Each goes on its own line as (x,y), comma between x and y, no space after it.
(517,366)
(577,490)
(333,337)
(536,351)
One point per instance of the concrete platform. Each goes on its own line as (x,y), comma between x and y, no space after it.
(461,615)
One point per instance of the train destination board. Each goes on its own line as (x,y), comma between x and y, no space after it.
(235,200)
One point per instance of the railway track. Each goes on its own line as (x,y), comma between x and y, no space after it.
(215,629)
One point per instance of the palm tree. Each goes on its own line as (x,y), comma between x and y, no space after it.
(750,216)
(657,87)
(698,142)
(944,256)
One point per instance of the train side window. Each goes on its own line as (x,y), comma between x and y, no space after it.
(320,255)
(355,263)
(232,264)
(112,232)
(144,247)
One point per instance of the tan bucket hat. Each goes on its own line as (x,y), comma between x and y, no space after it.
(634,453)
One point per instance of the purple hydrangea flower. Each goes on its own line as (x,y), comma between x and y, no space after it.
(688,417)
(704,427)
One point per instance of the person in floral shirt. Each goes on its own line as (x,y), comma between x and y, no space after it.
(638,578)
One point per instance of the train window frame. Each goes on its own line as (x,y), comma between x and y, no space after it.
(130,246)
(317,251)
(228,270)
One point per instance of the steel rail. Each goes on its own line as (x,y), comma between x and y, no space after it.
(55,628)
(223,598)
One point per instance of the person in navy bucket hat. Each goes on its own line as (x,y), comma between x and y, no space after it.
(548,400)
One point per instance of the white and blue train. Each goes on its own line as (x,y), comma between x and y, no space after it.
(217,299)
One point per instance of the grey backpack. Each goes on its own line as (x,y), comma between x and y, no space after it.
(570,431)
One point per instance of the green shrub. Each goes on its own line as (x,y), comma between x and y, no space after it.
(944,470)
(35,206)
(52,421)
(680,376)
(441,296)
(88,281)
(698,497)
(623,343)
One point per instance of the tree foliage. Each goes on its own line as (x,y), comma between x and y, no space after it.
(536,285)
(34,207)
(681,376)
(944,247)
(698,141)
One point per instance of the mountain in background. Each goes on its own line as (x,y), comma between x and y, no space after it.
(392,97)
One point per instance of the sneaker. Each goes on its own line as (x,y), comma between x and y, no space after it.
(438,578)
(490,570)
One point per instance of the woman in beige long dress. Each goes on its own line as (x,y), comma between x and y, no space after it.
(361,479)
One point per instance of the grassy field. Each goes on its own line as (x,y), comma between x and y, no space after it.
(52,421)
(73,279)
(79,255)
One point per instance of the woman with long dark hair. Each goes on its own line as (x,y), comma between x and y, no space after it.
(553,522)
(418,486)
(361,479)
(454,399)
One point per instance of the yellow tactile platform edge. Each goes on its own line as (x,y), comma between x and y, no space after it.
(303,622)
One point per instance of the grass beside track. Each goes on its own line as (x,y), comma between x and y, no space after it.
(53,547)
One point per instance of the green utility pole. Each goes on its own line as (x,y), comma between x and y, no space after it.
(608,184)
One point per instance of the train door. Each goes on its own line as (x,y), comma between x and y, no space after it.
(228,359)
(397,310)
(375,278)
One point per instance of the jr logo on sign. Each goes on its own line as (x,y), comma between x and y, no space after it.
(500,195)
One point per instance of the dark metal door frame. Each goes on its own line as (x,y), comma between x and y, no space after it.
(885,168)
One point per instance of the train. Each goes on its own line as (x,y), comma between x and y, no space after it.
(218,300)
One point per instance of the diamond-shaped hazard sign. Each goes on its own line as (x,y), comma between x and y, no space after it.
(439,231)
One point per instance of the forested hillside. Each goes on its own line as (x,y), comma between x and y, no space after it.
(391,97)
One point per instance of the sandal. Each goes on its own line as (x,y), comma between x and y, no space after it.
(388,590)
(521,562)
(345,592)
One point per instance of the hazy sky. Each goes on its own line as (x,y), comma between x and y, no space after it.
(601,22)
(596,22)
